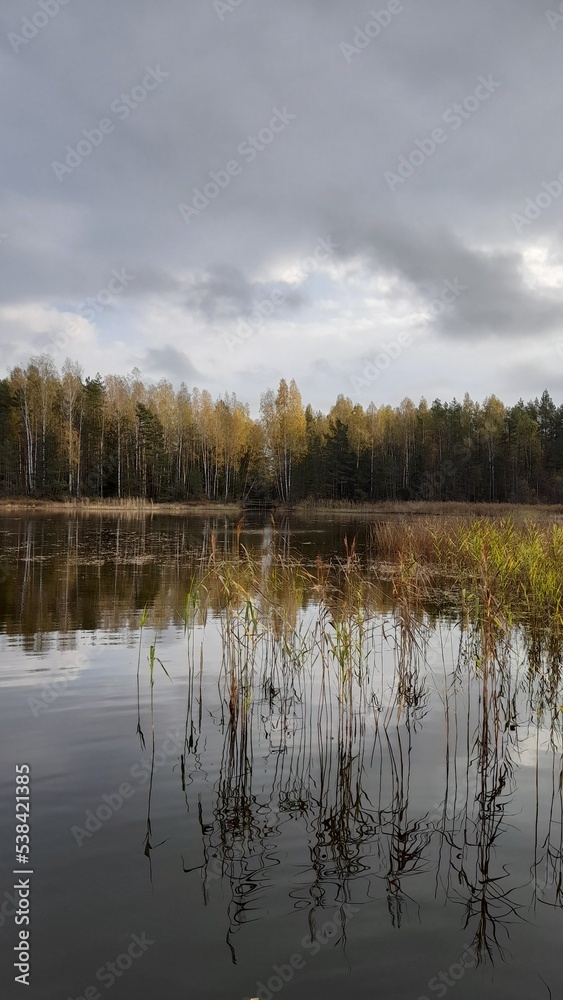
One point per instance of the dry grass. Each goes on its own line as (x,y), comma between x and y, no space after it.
(501,578)
(422,508)
(517,512)
(113,505)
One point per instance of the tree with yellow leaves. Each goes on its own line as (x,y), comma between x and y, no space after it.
(283,418)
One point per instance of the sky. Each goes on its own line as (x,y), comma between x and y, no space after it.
(363,197)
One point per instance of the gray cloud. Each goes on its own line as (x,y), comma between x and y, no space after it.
(323,173)
(170,363)
(224,294)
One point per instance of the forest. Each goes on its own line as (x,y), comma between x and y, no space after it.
(63,435)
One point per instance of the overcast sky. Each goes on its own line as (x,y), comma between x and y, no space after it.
(259,189)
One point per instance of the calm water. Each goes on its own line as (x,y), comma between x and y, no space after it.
(396,833)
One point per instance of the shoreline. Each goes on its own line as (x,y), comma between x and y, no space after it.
(115,507)
(303,509)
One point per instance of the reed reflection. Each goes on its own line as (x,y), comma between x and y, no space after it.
(335,706)
(365,725)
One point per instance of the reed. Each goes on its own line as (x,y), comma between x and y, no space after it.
(331,666)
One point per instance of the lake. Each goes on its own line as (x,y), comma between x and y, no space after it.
(258,767)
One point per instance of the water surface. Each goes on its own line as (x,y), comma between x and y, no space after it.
(392,827)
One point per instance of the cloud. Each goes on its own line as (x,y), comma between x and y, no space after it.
(224,294)
(324,173)
(169,363)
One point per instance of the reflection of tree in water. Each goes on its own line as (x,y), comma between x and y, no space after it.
(325,683)
(94,571)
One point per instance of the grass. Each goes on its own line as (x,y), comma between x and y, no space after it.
(511,571)
(134,505)
(342,684)
(430,508)
(286,623)
(335,669)
(418,508)
(501,580)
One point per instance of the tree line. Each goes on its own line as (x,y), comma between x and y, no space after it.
(63,435)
